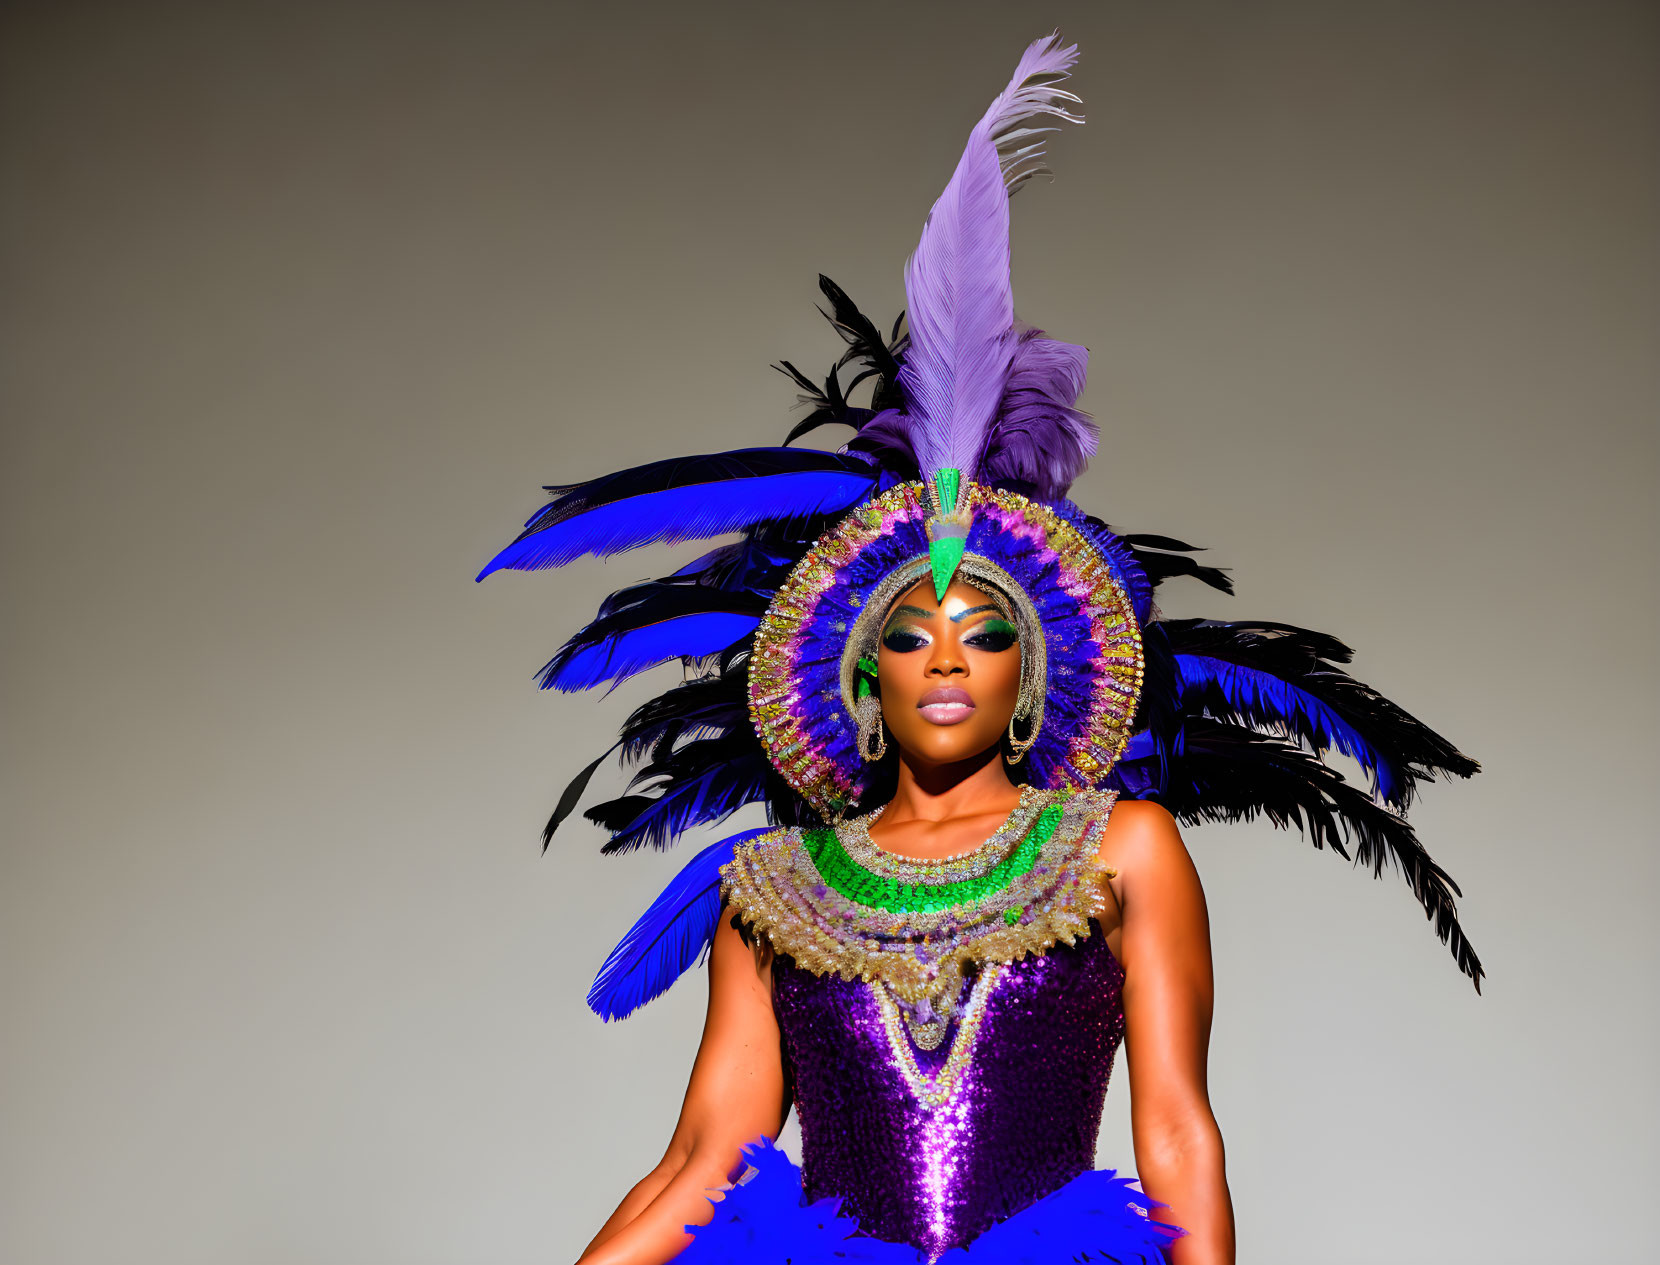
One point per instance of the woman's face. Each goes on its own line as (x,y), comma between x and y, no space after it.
(948,672)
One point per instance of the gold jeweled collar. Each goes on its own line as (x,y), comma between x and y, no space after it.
(1035,882)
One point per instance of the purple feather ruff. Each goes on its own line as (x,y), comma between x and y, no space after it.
(1038,440)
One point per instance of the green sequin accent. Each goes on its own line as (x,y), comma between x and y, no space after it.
(944,557)
(945,553)
(947,482)
(864,887)
(867,674)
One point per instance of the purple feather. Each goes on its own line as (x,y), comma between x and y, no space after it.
(1039,438)
(961,307)
(672,935)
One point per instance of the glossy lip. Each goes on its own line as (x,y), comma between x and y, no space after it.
(946,706)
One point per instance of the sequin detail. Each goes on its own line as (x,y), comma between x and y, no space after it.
(920,955)
(867,887)
(917,950)
(936,1090)
(855,838)
(1018,1121)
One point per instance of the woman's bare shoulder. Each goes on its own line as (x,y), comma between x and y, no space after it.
(1142,837)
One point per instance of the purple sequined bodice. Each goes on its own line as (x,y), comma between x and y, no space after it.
(932,1147)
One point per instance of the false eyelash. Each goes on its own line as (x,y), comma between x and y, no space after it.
(888,639)
(974,639)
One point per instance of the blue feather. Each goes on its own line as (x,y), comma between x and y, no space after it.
(1097,1213)
(768,1219)
(1261,694)
(1141,746)
(672,935)
(582,664)
(688,499)
(1097,1216)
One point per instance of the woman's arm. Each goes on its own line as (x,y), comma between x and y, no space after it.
(736,1095)
(1167,1005)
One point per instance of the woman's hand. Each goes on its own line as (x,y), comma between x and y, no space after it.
(736,1095)
(1165,951)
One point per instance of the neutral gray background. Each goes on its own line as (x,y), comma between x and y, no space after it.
(303,302)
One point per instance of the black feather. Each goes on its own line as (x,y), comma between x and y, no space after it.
(1153,553)
(717,705)
(1229,773)
(1303,658)
(872,358)
(572,796)
(1150,540)
(880,358)
(697,784)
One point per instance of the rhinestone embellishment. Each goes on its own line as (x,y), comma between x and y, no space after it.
(914,939)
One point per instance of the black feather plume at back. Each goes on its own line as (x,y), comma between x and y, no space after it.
(1229,773)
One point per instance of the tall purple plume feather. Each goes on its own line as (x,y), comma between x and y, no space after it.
(961,307)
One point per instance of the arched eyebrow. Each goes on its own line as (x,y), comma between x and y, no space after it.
(911,610)
(974,610)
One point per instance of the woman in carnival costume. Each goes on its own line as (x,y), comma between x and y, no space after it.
(975,735)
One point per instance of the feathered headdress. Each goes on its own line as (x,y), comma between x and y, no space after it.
(961,462)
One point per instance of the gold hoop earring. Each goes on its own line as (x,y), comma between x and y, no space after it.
(1019,747)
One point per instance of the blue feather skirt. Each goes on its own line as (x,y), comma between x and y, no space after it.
(1097,1216)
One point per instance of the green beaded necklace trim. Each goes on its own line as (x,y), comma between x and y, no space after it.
(864,887)
(774,885)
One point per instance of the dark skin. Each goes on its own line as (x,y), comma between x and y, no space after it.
(953,792)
